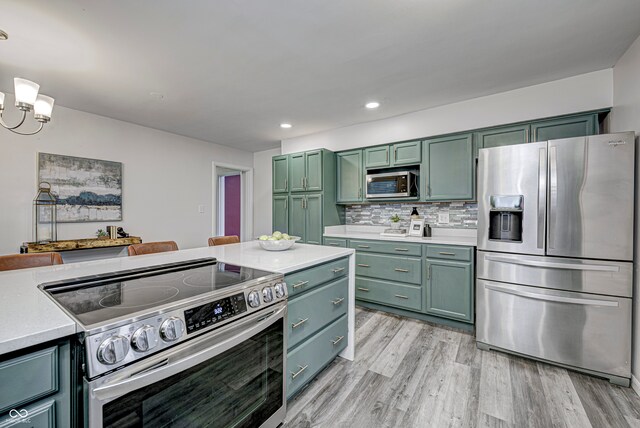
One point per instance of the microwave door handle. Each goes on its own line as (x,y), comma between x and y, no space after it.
(184,357)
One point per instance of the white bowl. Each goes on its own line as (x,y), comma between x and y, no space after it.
(281,245)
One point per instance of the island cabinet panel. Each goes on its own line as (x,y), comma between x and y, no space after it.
(280,165)
(409,153)
(565,127)
(38,381)
(447,168)
(308,359)
(317,320)
(376,157)
(281,213)
(449,289)
(297,172)
(350,176)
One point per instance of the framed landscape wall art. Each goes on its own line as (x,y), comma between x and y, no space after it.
(87,189)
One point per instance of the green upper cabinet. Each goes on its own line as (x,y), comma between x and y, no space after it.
(297,172)
(313,220)
(376,157)
(504,136)
(280,168)
(281,213)
(565,127)
(313,168)
(447,168)
(450,289)
(350,176)
(409,153)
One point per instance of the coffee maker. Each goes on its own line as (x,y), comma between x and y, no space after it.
(505,218)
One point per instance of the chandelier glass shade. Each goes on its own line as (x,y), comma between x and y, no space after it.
(27,99)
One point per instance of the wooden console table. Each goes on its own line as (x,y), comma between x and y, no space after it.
(81,244)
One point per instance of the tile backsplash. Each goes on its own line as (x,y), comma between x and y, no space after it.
(462,215)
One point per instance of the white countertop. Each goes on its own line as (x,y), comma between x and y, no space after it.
(29,317)
(467,237)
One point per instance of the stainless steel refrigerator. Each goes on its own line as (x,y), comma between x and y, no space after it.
(555,252)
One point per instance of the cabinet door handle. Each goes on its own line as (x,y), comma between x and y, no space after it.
(401,249)
(302,182)
(300,284)
(363,265)
(334,244)
(286,184)
(338,301)
(387,155)
(286,204)
(338,339)
(445,253)
(400,296)
(401,270)
(363,289)
(360,193)
(295,374)
(395,154)
(299,323)
(428,271)
(363,246)
(337,270)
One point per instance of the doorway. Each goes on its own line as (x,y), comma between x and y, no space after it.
(232,193)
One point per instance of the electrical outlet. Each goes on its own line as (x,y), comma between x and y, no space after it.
(201,209)
(443,218)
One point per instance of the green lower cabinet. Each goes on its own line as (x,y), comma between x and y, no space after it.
(281,213)
(306,360)
(389,293)
(449,289)
(565,127)
(335,242)
(392,268)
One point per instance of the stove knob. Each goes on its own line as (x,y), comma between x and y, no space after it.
(113,350)
(172,329)
(267,294)
(254,299)
(144,338)
(281,290)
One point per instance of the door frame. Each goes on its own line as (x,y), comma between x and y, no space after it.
(246,199)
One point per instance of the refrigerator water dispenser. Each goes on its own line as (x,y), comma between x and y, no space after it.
(505,218)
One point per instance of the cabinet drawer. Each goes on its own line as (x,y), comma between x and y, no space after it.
(449,252)
(335,242)
(394,268)
(28,377)
(307,360)
(41,415)
(304,280)
(389,293)
(387,247)
(311,311)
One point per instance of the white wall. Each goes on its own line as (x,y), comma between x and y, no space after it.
(575,94)
(625,116)
(165,177)
(262,210)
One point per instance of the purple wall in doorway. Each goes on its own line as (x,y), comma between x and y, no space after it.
(232,205)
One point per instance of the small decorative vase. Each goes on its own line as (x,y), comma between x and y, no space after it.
(395,225)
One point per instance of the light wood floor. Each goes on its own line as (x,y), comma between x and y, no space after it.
(412,374)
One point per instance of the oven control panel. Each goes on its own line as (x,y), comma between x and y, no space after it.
(208,314)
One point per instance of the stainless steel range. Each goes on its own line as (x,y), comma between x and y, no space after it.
(197,343)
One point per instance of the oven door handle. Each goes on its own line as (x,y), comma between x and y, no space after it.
(183,357)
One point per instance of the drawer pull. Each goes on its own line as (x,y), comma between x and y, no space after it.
(445,253)
(338,301)
(363,265)
(295,374)
(400,296)
(337,270)
(300,284)
(335,244)
(363,246)
(402,249)
(299,323)
(338,339)
(401,270)
(363,289)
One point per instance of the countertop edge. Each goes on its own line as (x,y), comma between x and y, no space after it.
(39,338)
(443,240)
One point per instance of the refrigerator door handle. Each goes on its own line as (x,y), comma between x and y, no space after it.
(554,264)
(542,195)
(553,194)
(551,298)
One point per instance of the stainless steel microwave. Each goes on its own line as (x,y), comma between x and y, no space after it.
(403,184)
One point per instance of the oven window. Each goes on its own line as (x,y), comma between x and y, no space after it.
(241,387)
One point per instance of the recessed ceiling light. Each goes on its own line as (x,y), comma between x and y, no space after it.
(3,35)
(372,104)
(285,125)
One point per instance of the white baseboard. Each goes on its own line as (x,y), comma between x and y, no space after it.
(635,384)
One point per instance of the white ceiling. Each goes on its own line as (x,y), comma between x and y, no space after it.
(232,71)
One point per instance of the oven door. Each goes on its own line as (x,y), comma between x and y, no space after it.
(231,377)
(389,185)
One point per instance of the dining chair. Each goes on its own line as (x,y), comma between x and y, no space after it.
(223,240)
(24,261)
(152,248)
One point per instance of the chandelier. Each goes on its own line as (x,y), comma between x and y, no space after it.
(27,99)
